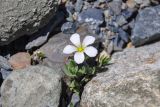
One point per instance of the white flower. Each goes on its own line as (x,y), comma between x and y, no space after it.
(80,48)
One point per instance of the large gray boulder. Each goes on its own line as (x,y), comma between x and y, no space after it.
(132,80)
(147,26)
(24,17)
(36,86)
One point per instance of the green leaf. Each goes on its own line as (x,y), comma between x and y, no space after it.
(68,71)
(71,105)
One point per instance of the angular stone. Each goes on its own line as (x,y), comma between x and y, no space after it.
(92,16)
(132,80)
(24,17)
(36,86)
(20,60)
(147,26)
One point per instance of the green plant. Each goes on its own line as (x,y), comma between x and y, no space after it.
(80,69)
(103,60)
(37,57)
(80,74)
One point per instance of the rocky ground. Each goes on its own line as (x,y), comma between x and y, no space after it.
(127,30)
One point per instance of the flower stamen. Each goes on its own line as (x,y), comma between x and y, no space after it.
(80,49)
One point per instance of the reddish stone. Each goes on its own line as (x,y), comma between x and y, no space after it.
(20,60)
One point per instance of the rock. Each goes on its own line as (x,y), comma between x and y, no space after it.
(145,3)
(86,5)
(123,35)
(121,20)
(53,50)
(118,43)
(110,48)
(142,1)
(116,6)
(155,2)
(78,5)
(69,28)
(131,3)
(127,13)
(146,28)
(20,60)
(92,16)
(4,74)
(18,18)
(41,37)
(36,86)
(75,100)
(4,63)
(132,80)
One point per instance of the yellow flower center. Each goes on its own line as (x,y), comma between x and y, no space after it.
(80,49)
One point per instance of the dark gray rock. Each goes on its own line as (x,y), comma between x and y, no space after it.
(92,16)
(24,17)
(4,63)
(132,80)
(36,86)
(146,28)
(69,28)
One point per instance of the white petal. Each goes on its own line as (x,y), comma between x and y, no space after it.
(88,40)
(75,39)
(91,51)
(69,49)
(79,57)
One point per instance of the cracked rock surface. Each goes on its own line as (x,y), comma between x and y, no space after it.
(24,17)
